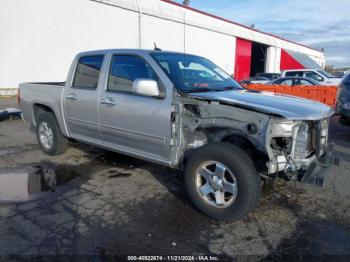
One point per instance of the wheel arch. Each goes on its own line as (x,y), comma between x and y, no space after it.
(231,136)
(44,108)
(249,147)
(40,108)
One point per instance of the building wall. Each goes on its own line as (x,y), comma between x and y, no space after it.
(39,38)
(217,47)
(164,33)
(273,59)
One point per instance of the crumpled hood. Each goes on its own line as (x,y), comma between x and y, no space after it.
(289,107)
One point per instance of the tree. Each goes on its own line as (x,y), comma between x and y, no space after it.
(329,68)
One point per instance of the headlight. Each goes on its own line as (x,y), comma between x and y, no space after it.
(282,135)
(284,144)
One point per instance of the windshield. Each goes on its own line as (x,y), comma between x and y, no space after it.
(191,73)
(324,73)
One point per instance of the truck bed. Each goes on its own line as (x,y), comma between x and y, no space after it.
(47,94)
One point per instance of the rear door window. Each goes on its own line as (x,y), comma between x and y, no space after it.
(88,72)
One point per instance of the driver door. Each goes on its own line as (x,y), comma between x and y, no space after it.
(129,122)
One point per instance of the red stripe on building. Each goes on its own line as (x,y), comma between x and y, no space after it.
(288,62)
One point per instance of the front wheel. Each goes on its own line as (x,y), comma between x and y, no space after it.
(222,181)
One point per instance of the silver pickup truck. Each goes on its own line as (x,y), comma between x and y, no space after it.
(184,112)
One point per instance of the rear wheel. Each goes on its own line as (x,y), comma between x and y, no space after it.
(222,181)
(49,135)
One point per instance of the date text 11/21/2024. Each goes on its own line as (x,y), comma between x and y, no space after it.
(173,258)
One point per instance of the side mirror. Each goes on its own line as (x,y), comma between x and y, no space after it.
(146,87)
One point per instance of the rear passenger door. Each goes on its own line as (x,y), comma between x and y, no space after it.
(81,99)
(132,123)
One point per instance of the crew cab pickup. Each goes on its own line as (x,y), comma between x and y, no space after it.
(184,112)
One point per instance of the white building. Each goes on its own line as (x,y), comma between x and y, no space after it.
(39,38)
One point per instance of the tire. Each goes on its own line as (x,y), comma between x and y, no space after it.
(59,143)
(238,164)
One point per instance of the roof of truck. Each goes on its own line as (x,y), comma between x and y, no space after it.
(126,50)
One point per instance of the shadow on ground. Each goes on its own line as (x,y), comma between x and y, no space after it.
(109,204)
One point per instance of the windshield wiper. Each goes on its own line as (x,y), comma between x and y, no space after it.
(230,88)
(205,89)
(199,90)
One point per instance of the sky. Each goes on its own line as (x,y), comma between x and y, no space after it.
(316,23)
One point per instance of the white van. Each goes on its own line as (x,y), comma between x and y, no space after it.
(319,75)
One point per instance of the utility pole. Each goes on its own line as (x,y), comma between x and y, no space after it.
(186,2)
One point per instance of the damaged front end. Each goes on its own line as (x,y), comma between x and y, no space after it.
(285,146)
(299,150)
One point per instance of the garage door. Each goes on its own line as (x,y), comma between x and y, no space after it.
(243,59)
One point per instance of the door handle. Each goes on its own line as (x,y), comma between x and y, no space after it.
(71,97)
(108,101)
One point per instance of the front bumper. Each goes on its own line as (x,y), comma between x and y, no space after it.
(319,169)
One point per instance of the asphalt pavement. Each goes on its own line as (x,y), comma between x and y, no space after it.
(108,204)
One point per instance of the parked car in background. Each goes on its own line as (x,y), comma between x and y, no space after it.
(340,74)
(268,75)
(343,100)
(318,75)
(294,81)
(255,80)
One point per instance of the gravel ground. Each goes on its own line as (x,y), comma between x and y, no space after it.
(109,204)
